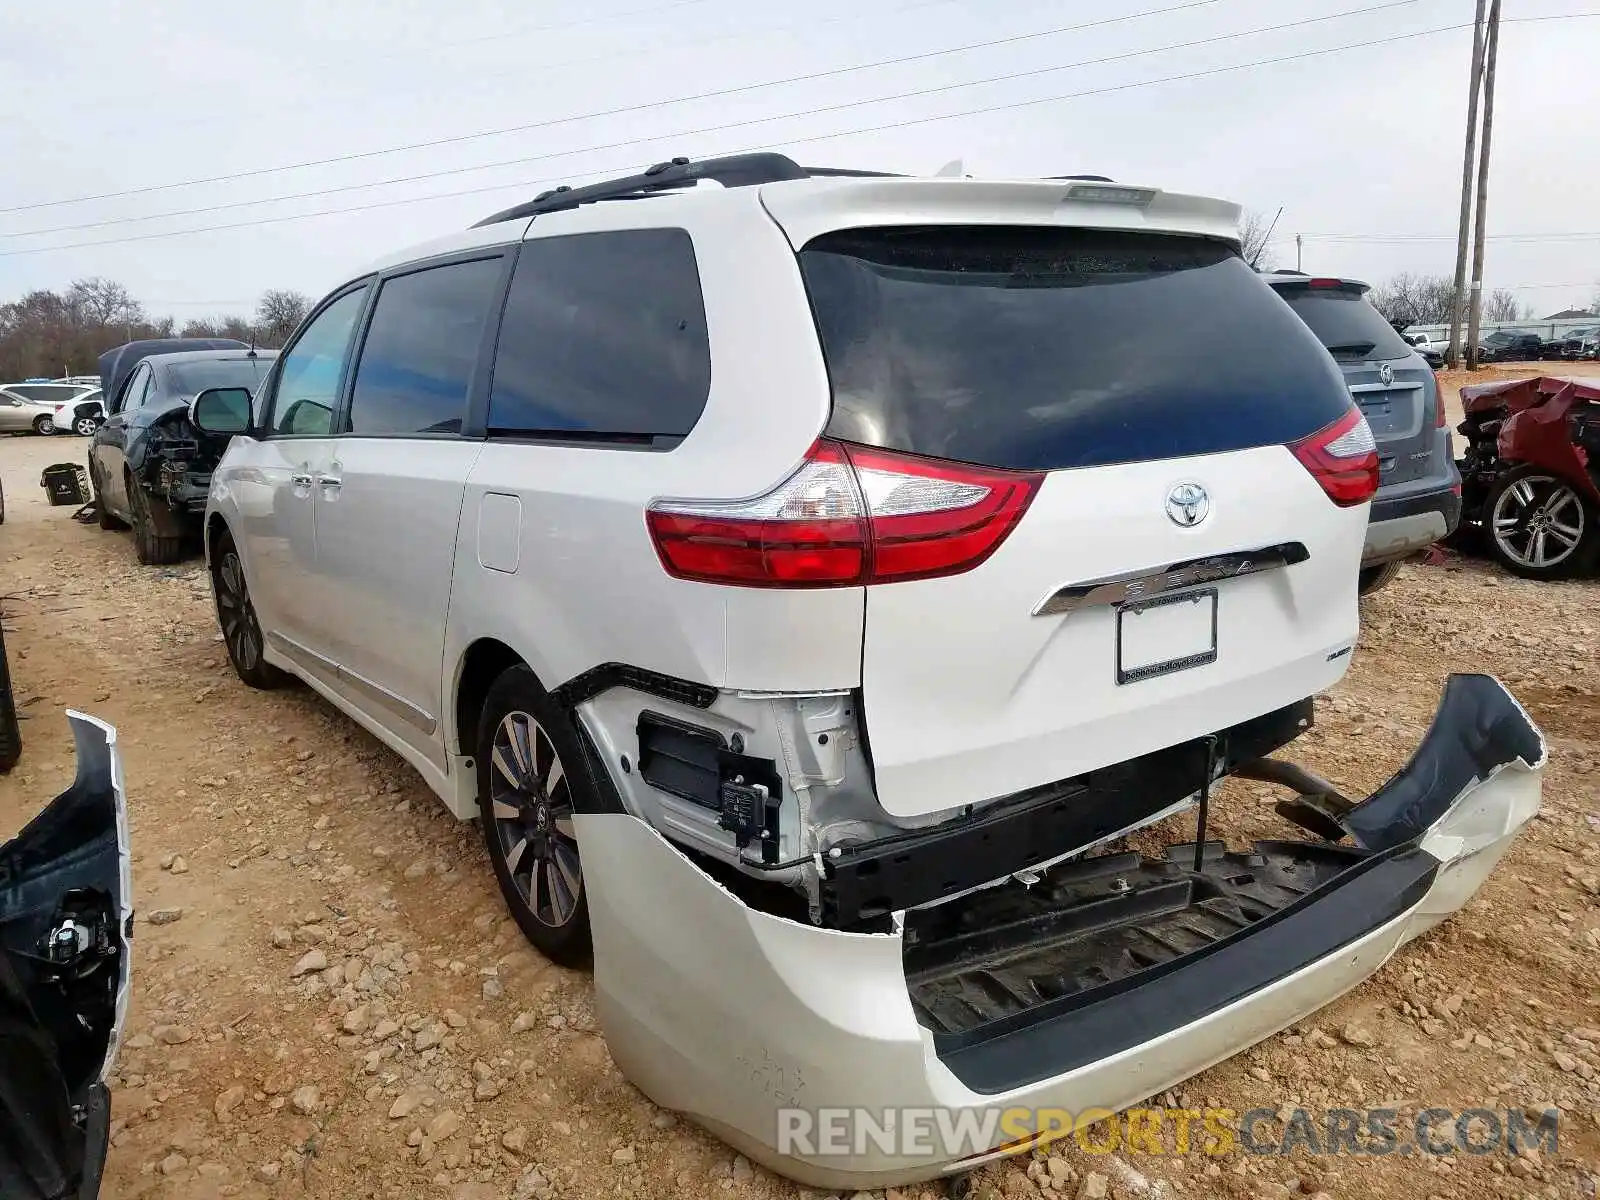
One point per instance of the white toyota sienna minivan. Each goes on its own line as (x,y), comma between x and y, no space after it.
(804,575)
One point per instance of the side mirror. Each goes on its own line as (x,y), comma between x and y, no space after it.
(221,412)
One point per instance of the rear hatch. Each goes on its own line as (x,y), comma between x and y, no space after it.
(1148,388)
(1392,384)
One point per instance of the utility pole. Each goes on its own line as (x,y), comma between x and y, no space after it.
(1299,245)
(1490,55)
(1458,304)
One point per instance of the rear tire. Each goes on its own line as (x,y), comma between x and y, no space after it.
(532,777)
(153,540)
(86,426)
(236,616)
(44,426)
(1538,525)
(1372,579)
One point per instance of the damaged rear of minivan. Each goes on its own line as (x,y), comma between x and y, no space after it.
(1093,502)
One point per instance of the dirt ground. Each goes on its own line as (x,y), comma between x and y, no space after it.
(333,1003)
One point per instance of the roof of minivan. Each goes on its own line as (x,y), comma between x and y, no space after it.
(806,208)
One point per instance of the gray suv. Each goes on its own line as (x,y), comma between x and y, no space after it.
(1419,488)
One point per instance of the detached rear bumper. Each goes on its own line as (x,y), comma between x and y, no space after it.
(738,1018)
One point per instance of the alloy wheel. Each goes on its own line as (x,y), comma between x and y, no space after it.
(86,426)
(531,799)
(237,615)
(1538,522)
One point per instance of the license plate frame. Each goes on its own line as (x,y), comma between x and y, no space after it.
(1155,669)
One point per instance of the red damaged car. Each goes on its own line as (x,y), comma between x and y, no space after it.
(1531,474)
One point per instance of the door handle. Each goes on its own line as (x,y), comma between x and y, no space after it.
(300,480)
(329,480)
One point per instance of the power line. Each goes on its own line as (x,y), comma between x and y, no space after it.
(910,121)
(732,125)
(1593,235)
(506,35)
(524,70)
(719,93)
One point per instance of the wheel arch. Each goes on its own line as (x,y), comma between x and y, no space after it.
(216,526)
(484,661)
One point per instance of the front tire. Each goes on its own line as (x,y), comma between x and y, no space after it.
(531,781)
(1538,525)
(241,631)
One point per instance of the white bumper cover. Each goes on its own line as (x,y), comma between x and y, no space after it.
(730,1015)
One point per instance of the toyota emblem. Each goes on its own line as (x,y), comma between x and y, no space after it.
(1188,504)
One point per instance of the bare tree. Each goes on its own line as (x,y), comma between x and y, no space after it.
(279,313)
(1254,228)
(1411,299)
(1502,306)
(97,302)
(219,327)
(54,333)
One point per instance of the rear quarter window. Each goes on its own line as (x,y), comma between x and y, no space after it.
(1030,348)
(604,337)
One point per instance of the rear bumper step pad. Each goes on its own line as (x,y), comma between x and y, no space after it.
(1152,973)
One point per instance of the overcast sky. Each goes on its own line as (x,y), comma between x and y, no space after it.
(105,96)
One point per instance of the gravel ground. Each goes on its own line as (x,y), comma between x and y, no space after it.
(329,1000)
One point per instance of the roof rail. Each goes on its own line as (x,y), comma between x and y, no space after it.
(734,170)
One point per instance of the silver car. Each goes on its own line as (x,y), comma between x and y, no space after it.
(19,414)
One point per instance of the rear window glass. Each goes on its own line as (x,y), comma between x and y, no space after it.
(1345,322)
(192,378)
(604,336)
(1048,348)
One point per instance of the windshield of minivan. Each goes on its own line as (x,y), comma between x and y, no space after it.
(1345,322)
(192,378)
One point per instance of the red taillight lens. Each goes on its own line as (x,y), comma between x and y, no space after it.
(1343,458)
(849,515)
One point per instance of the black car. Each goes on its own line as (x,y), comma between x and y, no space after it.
(150,467)
(1511,345)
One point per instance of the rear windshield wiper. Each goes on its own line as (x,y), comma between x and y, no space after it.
(1352,348)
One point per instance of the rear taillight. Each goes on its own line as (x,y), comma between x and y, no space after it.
(849,515)
(1343,458)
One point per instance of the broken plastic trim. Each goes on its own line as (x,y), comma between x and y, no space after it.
(1478,731)
(1139,960)
(867,881)
(62,1014)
